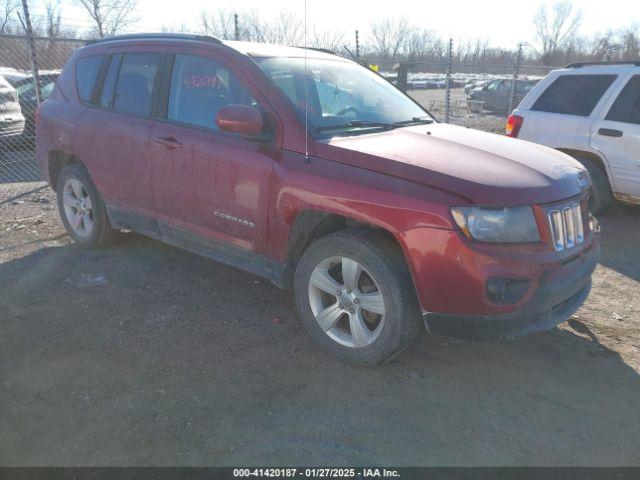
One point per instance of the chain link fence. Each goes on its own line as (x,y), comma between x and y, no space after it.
(19,98)
(473,95)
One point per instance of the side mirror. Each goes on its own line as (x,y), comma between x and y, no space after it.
(241,119)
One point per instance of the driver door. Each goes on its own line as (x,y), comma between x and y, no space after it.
(617,137)
(209,185)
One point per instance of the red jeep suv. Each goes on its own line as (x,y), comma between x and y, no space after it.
(309,169)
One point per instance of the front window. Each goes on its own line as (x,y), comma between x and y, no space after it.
(626,108)
(199,88)
(494,86)
(341,96)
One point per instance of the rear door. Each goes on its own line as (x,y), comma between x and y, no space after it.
(113,134)
(616,134)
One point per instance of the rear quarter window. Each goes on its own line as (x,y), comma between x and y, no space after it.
(87,69)
(574,94)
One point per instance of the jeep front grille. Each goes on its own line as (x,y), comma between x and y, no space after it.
(566,226)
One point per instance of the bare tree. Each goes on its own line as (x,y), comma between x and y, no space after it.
(52,11)
(389,36)
(331,40)
(7,10)
(603,46)
(421,45)
(219,24)
(181,28)
(555,30)
(110,16)
(285,28)
(630,42)
(473,51)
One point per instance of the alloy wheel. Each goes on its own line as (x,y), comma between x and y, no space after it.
(77,207)
(346,302)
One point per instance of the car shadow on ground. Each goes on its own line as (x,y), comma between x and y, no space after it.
(142,354)
(620,239)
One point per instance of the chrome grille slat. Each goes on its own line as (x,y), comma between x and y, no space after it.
(566,224)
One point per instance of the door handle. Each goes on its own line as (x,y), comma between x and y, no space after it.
(609,132)
(170,143)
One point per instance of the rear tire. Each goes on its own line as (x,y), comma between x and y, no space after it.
(600,196)
(82,210)
(365,312)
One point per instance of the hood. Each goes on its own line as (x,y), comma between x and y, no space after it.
(485,168)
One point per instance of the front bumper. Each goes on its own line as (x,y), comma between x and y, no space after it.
(553,302)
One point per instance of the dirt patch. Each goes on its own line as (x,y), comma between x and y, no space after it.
(142,354)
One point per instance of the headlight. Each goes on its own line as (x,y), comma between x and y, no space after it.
(499,225)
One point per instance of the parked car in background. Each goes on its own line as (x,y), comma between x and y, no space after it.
(25,88)
(11,118)
(496,95)
(427,84)
(591,112)
(311,170)
(475,85)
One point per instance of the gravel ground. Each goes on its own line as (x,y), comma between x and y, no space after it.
(142,354)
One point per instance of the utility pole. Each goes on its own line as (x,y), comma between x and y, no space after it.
(447,98)
(32,50)
(514,80)
(236,29)
(357,45)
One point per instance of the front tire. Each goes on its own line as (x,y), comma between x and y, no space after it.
(356,298)
(82,210)
(600,195)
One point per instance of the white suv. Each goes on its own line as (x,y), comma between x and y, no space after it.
(590,111)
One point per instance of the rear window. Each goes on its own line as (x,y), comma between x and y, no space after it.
(627,106)
(87,69)
(574,94)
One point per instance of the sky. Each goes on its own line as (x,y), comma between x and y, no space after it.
(505,23)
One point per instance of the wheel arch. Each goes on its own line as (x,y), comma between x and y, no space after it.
(311,225)
(591,156)
(57,160)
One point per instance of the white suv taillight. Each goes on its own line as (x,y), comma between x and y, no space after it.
(514,123)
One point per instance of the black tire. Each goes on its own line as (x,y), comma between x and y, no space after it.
(101,233)
(600,196)
(384,261)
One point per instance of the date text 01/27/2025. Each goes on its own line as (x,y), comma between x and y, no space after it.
(316,472)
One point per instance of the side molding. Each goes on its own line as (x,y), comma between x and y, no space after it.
(198,244)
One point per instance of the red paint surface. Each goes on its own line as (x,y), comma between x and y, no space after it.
(403,180)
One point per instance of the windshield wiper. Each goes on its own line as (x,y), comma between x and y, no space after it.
(357,124)
(374,124)
(413,121)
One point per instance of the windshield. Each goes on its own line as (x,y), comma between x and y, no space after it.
(342,96)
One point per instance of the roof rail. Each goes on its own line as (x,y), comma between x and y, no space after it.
(587,64)
(318,49)
(156,36)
